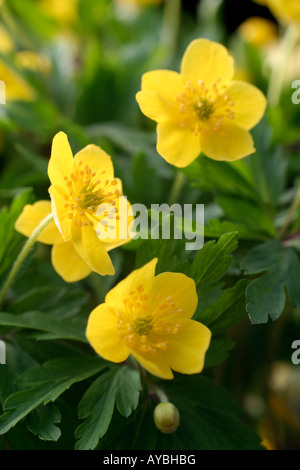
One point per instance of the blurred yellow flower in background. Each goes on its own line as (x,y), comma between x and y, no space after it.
(149,317)
(16,88)
(6,41)
(258,31)
(63,11)
(201,109)
(286,11)
(32,61)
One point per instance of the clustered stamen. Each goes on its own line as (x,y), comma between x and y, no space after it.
(204,107)
(86,192)
(147,327)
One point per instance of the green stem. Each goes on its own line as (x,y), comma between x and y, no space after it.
(160,394)
(23,254)
(290,215)
(170,27)
(287,46)
(176,188)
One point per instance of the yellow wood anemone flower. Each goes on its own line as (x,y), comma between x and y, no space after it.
(258,31)
(65,12)
(91,215)
(149,317)
(201,109)
(286,11)
(65,259)
(16,88)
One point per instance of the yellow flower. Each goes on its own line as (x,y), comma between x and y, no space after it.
(6,41)
(286,11)
(258,31)
(16,88)
(201,108)
(91,217)
(33,61)
(65,259)
(149,317)
(64,11)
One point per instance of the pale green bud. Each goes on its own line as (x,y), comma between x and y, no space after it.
(166,417)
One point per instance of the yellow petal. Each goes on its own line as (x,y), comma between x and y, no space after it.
(186,350)
(249,103)
(67,263)
(16,88)
(97,160)
(31,217)
(230,143)
(102,334)
(61,160)
(157,99)
(143,276)
(178,146)
(207,61)
(60,212)
(156,366)
(114,229)
(92,250)
(180,288)
(286,11)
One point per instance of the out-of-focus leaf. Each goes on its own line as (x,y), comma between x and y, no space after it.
(248,214)
(228,178)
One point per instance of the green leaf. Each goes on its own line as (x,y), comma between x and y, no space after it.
(121,385)
(46,383)
(216,228)
(231,178)
(209,420)
(266,295)
(42,422)
(218,351)
(212,262)
(246,213)
(56,329)
(128,390)
(227,311)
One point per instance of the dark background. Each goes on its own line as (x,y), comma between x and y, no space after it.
(234,11)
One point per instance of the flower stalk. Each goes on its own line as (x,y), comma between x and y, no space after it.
(287,46)
(290,215)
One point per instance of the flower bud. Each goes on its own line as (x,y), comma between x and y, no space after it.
(166,417)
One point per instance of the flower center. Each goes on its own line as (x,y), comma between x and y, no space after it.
(86,192)
(147,327)
(204,108)
(142,326)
